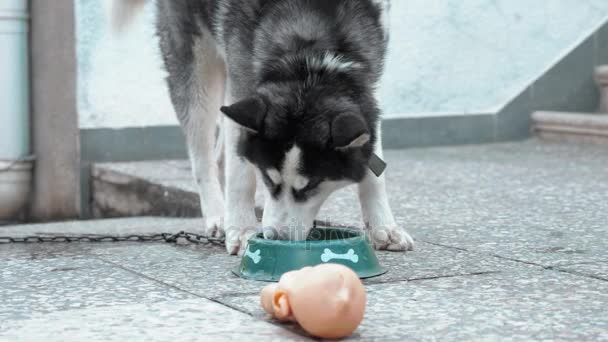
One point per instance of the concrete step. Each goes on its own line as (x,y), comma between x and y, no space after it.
(150,188)
(157,188)
(571,126)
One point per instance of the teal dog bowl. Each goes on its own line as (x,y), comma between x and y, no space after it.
(268,260)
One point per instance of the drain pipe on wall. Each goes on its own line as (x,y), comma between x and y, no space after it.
(601,79)
(15,160)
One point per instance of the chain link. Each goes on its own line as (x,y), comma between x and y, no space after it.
(94,238)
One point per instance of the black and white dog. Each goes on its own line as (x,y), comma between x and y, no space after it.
(297,81)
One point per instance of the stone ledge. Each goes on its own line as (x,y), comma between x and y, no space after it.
(121,189)
(149,188)
(571,126)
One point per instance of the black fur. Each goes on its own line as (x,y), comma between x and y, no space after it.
(283,102)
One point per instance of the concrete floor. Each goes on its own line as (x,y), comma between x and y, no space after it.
(511,245)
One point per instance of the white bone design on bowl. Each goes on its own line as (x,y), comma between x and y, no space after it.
(328,255)
(254,256)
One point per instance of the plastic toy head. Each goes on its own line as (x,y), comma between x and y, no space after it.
(328,300)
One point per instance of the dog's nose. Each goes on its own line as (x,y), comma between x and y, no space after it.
(295,231)
(271,233)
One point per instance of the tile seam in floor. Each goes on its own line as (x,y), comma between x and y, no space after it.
(175,287)
(498,256)
(165,284)
(576,273)
(555,268)
(583,263)
(396,281)
(445,246)
(154,280)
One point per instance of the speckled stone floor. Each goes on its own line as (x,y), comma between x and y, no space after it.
(512,244)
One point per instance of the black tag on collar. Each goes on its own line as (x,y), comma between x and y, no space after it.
(377,165)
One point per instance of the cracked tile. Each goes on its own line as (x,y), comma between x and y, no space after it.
(596,270)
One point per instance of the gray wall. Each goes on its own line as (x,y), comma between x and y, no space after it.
(56,193)
(446,56)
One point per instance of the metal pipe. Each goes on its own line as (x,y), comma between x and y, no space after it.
(15,165)
(14,80)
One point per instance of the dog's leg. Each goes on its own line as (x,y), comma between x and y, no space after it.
(197,91)
(240,186)
(377,213)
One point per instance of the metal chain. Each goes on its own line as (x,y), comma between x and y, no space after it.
(162,237)
(96,238)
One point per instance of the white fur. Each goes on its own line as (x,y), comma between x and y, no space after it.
(202,116)
(239,214)
(123,12)
(331,62)
(300,183)
(359,142)
(275,176)
(289,173)
(376,211)
(218,26)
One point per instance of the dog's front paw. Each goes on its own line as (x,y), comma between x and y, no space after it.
(214,226)
(394,239)
(236,240)
(239,229)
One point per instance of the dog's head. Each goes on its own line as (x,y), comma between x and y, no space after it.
(305,142)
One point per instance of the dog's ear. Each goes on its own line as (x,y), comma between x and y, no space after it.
(249,113)
(349,131)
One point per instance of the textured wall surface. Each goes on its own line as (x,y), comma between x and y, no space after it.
(121,80)
(462,56)
(446,56)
